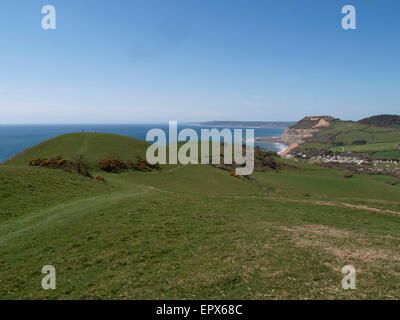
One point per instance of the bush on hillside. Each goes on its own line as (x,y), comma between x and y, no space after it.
(54,163)
(338,143)
(100,178)
(78,165)
(359,142)
(264,161)
(143,165)
(112,165)
(233,174)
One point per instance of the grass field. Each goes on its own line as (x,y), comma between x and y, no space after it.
(386,154)
(388,150)
(194,232)
(348,132)
(313,145)
(344,136)
(373,147)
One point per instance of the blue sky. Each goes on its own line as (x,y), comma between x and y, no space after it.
(193,60)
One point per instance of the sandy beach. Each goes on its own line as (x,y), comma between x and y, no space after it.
(278,141)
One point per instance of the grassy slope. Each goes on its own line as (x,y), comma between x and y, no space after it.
(350,132)
(26,189)
(198,179)
(196,232)
(325,185)
(386,154)
(377,138)
(388,146)
(95,146)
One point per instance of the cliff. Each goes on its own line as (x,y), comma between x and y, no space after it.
(305,128)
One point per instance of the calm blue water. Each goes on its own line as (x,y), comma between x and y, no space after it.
(17,138)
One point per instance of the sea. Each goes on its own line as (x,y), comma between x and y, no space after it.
(16,138)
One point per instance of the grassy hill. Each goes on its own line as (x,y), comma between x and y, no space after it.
(193,232)
(348,132)
(23,189)
(95,147)
(383,120)
(357,137)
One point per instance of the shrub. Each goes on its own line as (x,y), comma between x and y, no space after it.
(359,142)
(142,165)
(54,163)
(112,165)
(80,165)
(35,162)
(142,162)
(233,174)
(338,143)
(100,178)
(116,165)
(130,164)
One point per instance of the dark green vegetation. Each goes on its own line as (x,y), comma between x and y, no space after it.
(343,136)
(383,120)
(193,231)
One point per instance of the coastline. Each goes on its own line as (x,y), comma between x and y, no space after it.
(235,126)
(272,139)
(244,124)
(283,145)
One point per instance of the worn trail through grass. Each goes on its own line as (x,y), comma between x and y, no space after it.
(18,227)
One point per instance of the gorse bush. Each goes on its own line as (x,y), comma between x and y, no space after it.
(55,163)
(233,174)
(112,165)
(143,165)
(78,165)
(115,165)
(100,178)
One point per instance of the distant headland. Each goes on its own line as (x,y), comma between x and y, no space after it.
(378,135)
(246,124)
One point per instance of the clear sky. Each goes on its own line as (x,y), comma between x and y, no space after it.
(130,61)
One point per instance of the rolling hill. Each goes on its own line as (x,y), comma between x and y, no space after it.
(343,136)
(95,147)
(383,120)
(193,232)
